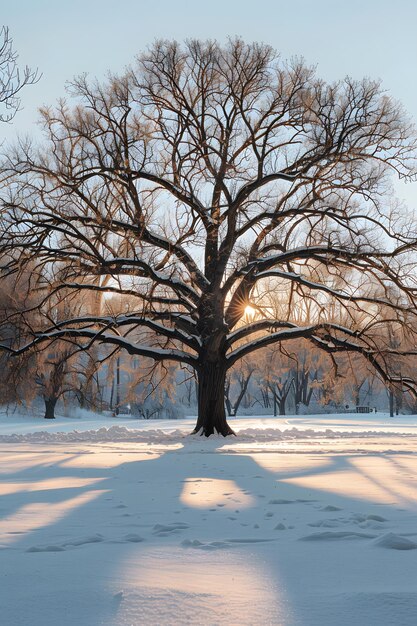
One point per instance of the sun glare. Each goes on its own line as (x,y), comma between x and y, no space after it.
(250,312)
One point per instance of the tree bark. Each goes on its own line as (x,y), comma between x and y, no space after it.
(211,409)
(282,405)
(50,404)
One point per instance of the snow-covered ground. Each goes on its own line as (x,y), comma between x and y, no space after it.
(306,521)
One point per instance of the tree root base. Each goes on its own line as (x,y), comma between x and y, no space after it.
(206,432)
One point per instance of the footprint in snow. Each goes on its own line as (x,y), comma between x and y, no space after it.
(133,538)
(46,549)
(363,521)
(200,545)
(84,540)
(73,543)
(249,540)
(165,530)
(375,518)
(327,523)
(219,545)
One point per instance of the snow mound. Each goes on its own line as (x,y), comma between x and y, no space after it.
(266,434)
(331,536)
(113,433)
(123,434)
(395,542)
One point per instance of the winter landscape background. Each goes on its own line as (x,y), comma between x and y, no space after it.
(208,304)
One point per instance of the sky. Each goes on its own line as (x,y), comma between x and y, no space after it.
(375,38)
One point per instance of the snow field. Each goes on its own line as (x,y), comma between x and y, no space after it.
(125,524)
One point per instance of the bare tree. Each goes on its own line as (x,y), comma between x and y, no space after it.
(239,377)
(306,376)
(12,79)
(274,378)
(190,385)
(51,377)
(86,385)
(151,390)
(199,176)
(395,365)
(280,389)
(358,379)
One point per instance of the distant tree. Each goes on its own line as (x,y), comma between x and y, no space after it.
(280,389)
(262,394)
(85,382)
(357,378)
(395,364)
(305,373)
(17,374)
(52,371)
(273,379)
(151,390)
(198,176)
(12,78)
(190,386)
(236,386)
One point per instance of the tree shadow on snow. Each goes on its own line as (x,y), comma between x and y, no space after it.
(69,526)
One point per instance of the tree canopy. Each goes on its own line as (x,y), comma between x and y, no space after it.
(199,182)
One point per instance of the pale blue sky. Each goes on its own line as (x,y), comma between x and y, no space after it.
(376,38)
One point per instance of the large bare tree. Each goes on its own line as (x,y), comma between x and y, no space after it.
(198,179)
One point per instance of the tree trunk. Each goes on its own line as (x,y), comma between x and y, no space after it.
(391,403)
(211,410)
(227,397)
(117,385)
(398,402)
(50,404)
